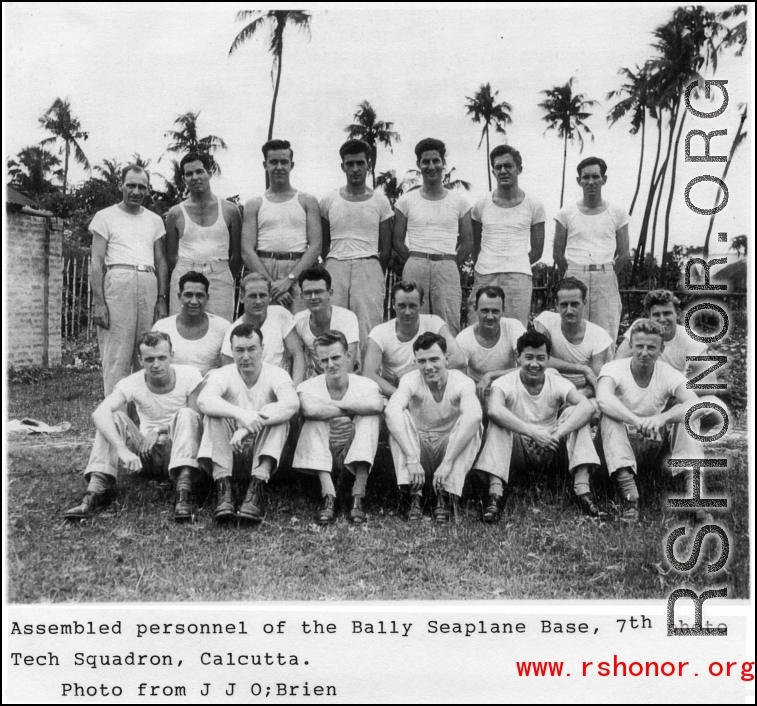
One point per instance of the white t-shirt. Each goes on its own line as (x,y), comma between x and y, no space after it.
(430,415)
(130,238)
(591,239)
(432,226)
(541,409)
(506,234)
(501,356)
(675,351)
(397,358)
(357,388)
(354,225)
(341,320)
(644,401)
(277,326)
(203,353)
(159,410)
(226,382)
(595,341)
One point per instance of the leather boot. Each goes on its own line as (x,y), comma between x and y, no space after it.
(327,513)
(224,509)
(415,513)
(357,514)
(492,509)
(251,509)
(90,502)
(588,506)
(182,511)
(441,507)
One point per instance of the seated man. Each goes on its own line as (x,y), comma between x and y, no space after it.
(341,427)
(579,347)
(275,323)
(168,436)
(196,335)
(248,405)
(489,344)
(389,354)
(434,419)
(321,316)
(526,426)
(634,395)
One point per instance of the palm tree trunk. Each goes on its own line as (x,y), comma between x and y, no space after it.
(374,155)
(725,174)
(564,161)
(641,162)
(273,108)
(672,192)
(65,168)
(488,171)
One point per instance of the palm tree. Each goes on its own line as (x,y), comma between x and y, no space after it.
(483,109)
(391,185)
(30,172)
(566,113)
(59,120)
(276,21)
(110,170)
(372,131)
(412,181)
(139,161)
(187,140)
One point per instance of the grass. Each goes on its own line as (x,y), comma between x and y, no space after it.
(133,551)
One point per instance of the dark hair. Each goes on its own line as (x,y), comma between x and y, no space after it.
(499,150)
(204,157)
(589,161)
(355,147)
(316,273)
(567,283)
(134,168)
(429,144)
(407,286)
(428,339)
(491,291)
(661,296)
(193,276)
(533,339)
(277,145)
(246,331)
(150,339)
(329,338)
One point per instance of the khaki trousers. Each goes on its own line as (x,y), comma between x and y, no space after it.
(221,290)
(603,305)
(440,280)
(278,269)
(518,289)
(318,449)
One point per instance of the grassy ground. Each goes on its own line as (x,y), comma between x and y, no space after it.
(133,551)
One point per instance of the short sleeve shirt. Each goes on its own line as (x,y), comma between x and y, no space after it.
(502,356)
(341,320)
(358,387)
(354,225)
(644,401)
(675,351)
(397,358)
(202,353)
(429,415)
(432,226)
(542,409)
(155,410)
(130,237)
(277,326)
(591,239)
(226,382)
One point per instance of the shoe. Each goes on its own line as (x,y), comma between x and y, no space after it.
(492,509)
(182,511)
(357,514)
(441,507)
(327,513)
(251,508)
(224,509)
(90,502)
(415,513)
(588,506)
(630,512)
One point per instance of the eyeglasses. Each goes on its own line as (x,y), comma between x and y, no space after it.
(314,293)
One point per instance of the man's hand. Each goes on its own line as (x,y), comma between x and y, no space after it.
(591,378)
(252,421)
(237,439)
(544,439)
(129,460)
(652,427)
(161,309)
(417,475)
(483,385)
(440,476)
(280,289)
(101,316)
(147,444)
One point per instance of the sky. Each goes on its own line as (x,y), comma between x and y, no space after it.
(129,69)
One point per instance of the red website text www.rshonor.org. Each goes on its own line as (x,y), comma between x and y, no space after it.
(620,668)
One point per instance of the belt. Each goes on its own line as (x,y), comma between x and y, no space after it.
(138,268)
(431,255)
(211,266)
(281,255)
(593,268)
(353,259)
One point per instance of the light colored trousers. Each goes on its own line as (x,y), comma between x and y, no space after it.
(440,280)
(360,286)
(130,297)
(603,305)
(505,450)
(431,448)
(318,449)
(278,269)
(215,447)
(221,289)
(518,290)
(177,450)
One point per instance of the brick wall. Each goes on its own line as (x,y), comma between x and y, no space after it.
(34,282)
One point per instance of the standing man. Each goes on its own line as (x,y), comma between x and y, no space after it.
(508,236)
(203,234)
(427,225)
(591,244)
(341,424)
(434,420)
(196,335)
(281,230)
(248,405)
(129,276)
(579,347)
(357,240)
